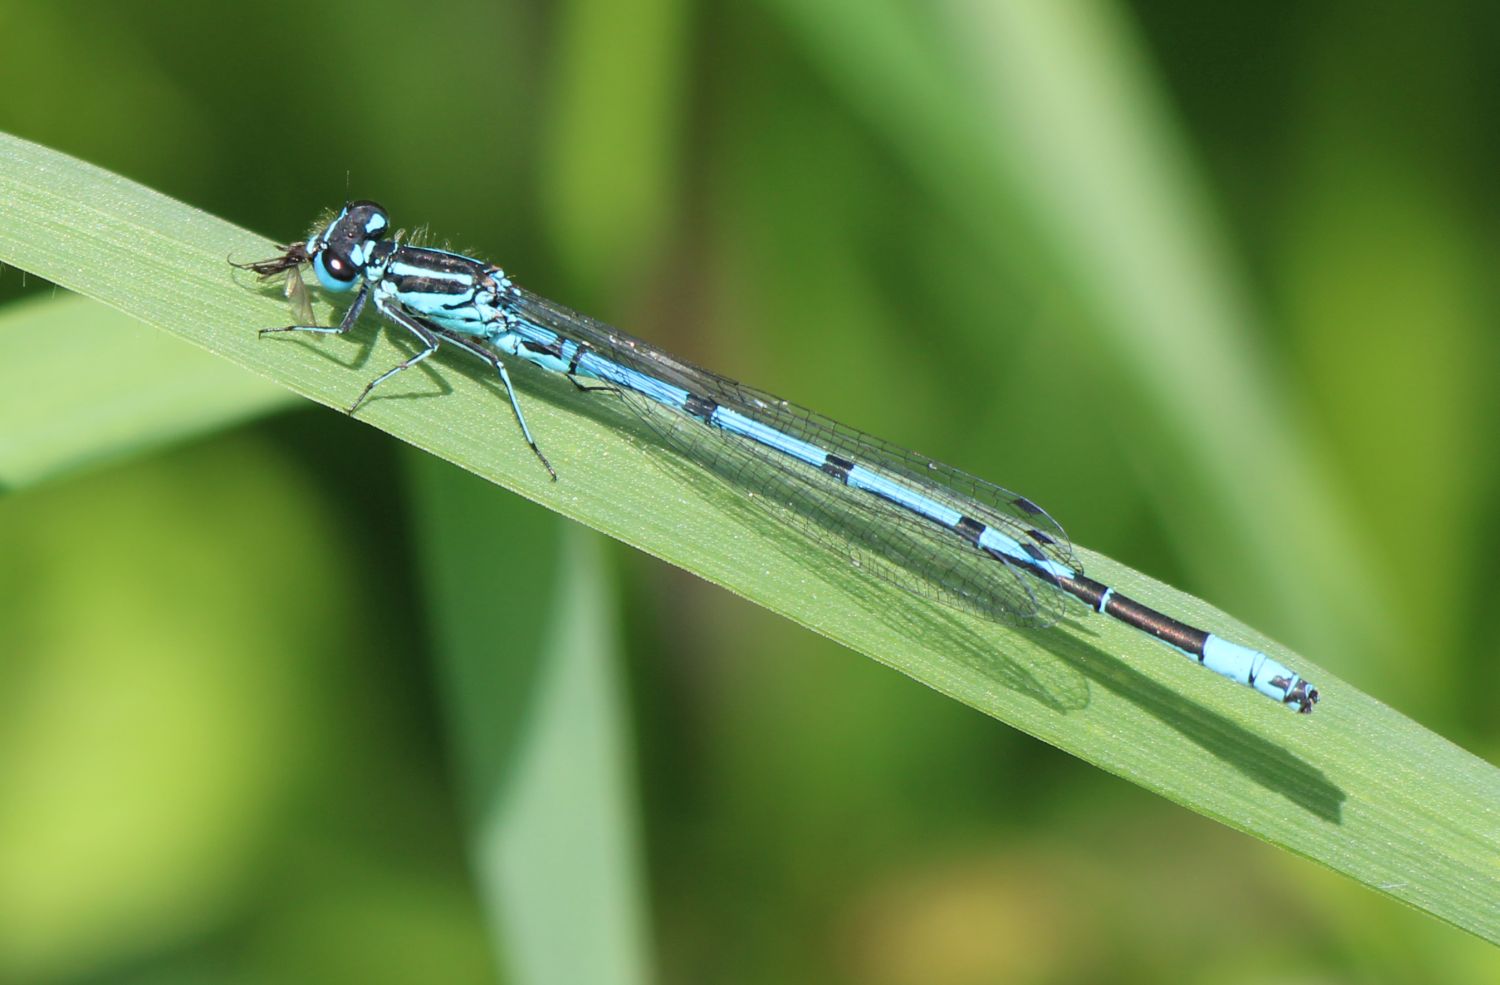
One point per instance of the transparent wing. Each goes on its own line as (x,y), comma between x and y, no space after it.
(919,555)
(298,298)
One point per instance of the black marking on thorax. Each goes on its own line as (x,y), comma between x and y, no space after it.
(463,274)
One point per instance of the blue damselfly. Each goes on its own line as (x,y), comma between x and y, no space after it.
(931,528)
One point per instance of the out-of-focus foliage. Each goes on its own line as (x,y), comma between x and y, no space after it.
(796,195)
(87,385)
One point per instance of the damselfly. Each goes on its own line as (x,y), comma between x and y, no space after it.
(932,529)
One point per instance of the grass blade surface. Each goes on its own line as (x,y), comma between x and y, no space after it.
(1357,786)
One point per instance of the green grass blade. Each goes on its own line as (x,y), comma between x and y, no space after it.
(532,685)
(1357,787)
(82,385)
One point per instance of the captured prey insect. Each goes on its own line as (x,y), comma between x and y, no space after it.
(930,528)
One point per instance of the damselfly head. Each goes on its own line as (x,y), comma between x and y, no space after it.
(340,252)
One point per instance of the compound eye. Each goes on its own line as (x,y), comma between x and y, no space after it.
(335,270)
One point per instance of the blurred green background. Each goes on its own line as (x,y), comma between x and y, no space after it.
(290,703)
